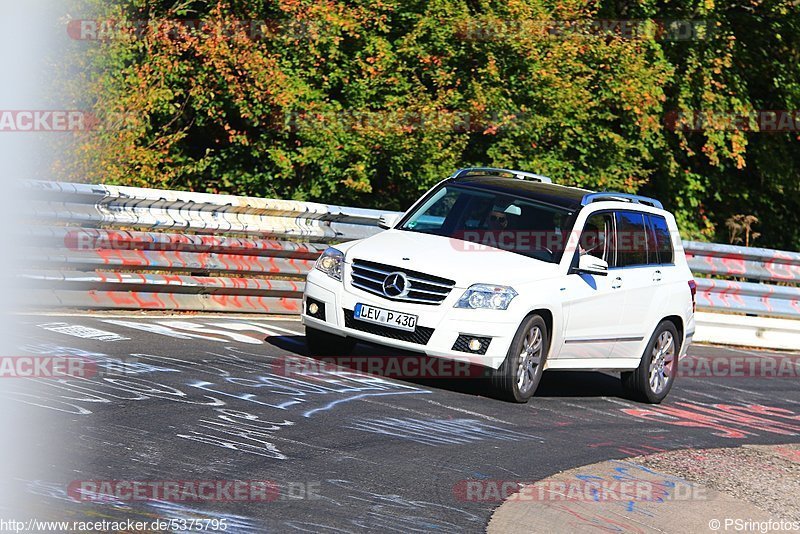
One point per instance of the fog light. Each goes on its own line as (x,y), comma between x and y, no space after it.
(472,344)
(313,308)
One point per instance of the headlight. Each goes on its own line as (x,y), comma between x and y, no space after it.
(331,263)
(487,296)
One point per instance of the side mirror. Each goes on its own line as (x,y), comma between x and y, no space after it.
(588,264)
(388,221)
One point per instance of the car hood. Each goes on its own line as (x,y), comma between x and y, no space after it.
(466,263)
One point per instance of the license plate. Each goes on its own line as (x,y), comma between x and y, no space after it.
(392,319)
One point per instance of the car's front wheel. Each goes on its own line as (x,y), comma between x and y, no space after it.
(654,377)
(519,375)
(321,343)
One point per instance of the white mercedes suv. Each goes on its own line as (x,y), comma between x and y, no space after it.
(506,270)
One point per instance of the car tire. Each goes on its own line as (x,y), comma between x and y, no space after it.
(653,379)
(321,343)
(518,377)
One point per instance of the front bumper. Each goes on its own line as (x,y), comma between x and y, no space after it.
(446,322)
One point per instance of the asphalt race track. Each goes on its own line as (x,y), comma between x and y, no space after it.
(210,398)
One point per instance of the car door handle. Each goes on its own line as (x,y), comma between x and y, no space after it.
(617,283)
(657,276)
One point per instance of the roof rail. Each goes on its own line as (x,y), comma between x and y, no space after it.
(520,175)
(621,197)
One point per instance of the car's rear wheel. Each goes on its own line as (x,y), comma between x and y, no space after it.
(653,379)
(321,343)
(518,377)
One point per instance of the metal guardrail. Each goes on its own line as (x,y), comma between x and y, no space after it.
(111,247)
(762,269)
(135,207)
(747,262)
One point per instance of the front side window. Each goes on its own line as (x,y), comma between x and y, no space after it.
(494,219)
(597,237)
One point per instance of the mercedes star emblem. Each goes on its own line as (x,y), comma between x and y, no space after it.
(395,285)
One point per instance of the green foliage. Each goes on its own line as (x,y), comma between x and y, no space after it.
(370,102)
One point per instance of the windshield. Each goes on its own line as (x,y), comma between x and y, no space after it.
(494,219)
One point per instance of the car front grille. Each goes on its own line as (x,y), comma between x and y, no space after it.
(423,288)
(421,335)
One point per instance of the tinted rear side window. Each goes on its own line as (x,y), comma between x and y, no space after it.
(631,239)
(663,239)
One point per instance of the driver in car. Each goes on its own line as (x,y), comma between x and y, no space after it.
(498,220)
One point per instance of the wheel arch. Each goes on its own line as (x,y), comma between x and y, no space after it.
(547,315)
(677,321)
